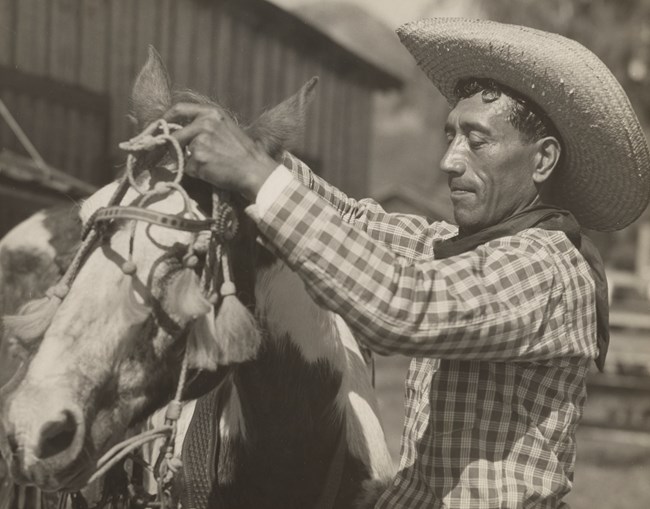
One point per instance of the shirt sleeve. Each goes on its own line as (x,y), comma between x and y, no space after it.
(495,303)
(407,235)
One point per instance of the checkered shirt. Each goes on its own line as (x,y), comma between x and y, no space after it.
(501,339)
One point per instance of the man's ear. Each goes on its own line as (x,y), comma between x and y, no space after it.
(547,156)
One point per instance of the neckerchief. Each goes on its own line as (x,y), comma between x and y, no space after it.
(547,218)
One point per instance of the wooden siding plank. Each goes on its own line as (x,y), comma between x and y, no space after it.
(326,108)
(49,113)
(23,113)
(240,85)
(64,93)
(273,70)
(75,141)
(260,97)
(266,71)
(54,152)
(32,36)
(347,141)
(122,69)
(145,31)
(95,161)
(360,138)
(7,31)
(63,54)
(222,42)
(183,56)
(166,30)
(94,42)
(302,77)
(202,57)
(41,135)
(338,132)
(314,68)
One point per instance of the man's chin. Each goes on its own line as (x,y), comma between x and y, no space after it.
(467,222)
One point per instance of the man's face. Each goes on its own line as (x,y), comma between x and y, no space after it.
(488,163)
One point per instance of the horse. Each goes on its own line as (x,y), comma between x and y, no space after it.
(296,425)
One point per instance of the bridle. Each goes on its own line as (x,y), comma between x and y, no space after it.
(222,228)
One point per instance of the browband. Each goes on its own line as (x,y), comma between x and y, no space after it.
(150,216)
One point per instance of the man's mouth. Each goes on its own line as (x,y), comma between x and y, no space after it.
(458,192)
(456,186)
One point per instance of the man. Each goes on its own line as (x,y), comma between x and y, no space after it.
(502,315)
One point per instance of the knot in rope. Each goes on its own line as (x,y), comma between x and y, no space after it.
(148,140)
(226,224)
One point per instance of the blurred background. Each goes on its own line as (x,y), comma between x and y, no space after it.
(375,129)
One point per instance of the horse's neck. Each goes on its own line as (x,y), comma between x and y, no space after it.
(301,369)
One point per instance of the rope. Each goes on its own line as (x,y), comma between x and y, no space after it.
(146,141)
(118,452)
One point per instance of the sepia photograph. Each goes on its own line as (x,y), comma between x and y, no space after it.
(324,254)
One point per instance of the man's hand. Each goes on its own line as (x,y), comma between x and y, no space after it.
(220,153)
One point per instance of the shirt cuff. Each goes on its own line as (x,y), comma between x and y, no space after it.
(272,188)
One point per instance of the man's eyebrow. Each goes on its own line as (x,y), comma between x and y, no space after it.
(468,126)
(475,126)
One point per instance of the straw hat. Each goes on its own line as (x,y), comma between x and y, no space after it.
(605,180)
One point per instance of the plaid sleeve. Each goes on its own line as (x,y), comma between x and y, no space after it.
(407,235)
(503,301)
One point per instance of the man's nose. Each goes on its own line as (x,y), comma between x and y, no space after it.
(453,161)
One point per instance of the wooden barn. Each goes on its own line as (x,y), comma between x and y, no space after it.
(67,67)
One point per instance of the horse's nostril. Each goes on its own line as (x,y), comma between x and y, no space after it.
(57,436)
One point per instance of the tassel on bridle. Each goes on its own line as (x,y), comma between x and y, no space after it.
(238,336)
(229,333)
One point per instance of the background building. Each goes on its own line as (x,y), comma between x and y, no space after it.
(67,67)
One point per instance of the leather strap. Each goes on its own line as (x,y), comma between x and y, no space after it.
(199,450)
(151,216)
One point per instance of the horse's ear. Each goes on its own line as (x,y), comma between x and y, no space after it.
(282,126)
(151,96)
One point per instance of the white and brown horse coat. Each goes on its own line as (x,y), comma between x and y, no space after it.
(33,257)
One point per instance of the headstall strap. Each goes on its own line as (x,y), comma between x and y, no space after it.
(154,217)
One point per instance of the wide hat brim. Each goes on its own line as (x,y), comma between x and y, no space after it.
(605,177)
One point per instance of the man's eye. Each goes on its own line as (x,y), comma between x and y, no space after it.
(476,143)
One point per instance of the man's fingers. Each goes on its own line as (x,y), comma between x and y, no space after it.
(188,133)
(186,112)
